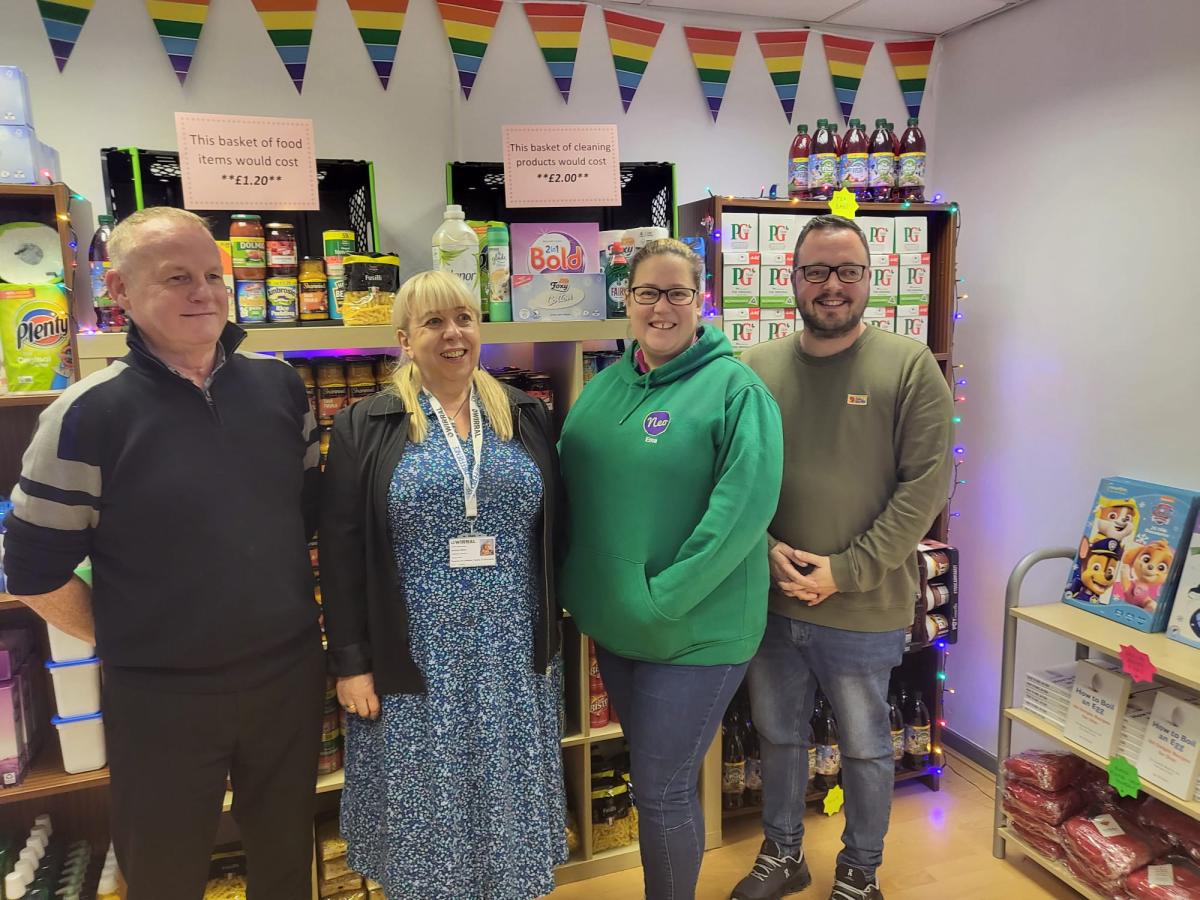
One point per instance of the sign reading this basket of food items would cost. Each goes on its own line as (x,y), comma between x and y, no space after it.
(561,165)
(246,162)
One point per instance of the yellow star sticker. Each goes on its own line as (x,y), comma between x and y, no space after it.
(834,798)
(843,204)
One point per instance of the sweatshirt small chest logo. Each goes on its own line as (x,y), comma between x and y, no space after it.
(857,399)
(655,424)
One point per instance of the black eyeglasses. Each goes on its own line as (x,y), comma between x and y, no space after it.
(647,295)
(819,274)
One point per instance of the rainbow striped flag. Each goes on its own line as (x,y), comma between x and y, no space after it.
(911,59)
(847,58)
(632,40)
(179,23)
(379,23)
(63,20)
(556,28)
(713,50)
(783,52)
(289,24)
(469,25)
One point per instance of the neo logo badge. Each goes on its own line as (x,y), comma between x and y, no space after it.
(655,424)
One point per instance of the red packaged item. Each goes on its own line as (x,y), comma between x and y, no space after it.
(1113,888)
(1052,849)
(1111,844)
(1173,878)
(597,696)
(1045,832)
(1052,808)
(1179,828)
(1046,770)
(1093,784)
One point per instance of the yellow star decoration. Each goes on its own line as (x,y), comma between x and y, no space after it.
(834,798)
(843,204)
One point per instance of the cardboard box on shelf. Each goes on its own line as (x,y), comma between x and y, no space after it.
(739,232)
(912,321)
(885,279)
(880,232)
(881,317)
(778,233)
(554,248)
(775,282)
(912,234)
(742,326)
(23,158)
(740,279)
(914,276)
(774,324)
(15,108)
(562,297)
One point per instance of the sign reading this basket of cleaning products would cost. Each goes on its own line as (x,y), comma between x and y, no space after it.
(246,162)
(561,165)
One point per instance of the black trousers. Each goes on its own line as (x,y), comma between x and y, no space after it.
(169,753)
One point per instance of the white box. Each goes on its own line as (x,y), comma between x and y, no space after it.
(742,327)
(15,108)
(64,648)
(912,234)
(740,279)
(775,281)
(739,231)
(912,321)
(914,276)
(880,232)
(1184,624)
(82,741)
(777,234)
(76,686)
(885,279)
(881,317)
(23,156)
(775,324)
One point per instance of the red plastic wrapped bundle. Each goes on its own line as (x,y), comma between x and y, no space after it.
(1179,828)
(1093,784)
(1037,840)
(1147,883)
(1051,808)
(1114,888)
(1111,845)
(1041,830)
(1046,770)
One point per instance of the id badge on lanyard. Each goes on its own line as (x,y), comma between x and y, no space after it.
(469,550)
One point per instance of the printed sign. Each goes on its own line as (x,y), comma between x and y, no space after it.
(1097,708)
(561,165)
(246,162)
(1171,754)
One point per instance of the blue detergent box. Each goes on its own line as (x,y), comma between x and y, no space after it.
(1131,554)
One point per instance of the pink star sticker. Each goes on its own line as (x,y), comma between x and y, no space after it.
(1136,663)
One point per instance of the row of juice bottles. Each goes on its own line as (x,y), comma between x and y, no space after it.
(883,168)
(48,868)
(741,760)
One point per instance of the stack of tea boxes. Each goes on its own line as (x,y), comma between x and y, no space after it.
(756,264)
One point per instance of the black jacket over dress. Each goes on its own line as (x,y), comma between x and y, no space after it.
(366,614)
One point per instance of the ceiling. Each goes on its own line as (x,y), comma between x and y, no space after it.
(909,16)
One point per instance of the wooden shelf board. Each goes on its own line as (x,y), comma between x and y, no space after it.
(8,601)
(1052,731)
(607,733)
(46,776)
(1058,869)
(1175,661)
(865,209)
(29,398)
(574,739)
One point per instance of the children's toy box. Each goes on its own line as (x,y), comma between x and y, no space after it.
(1184,624)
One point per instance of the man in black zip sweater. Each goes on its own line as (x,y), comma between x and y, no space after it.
(187,472)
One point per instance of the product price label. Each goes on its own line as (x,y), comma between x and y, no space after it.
(246,162)
(1107,826)
(1161,876)
(561,165)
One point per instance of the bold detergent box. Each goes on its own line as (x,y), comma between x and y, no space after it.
(1131,554)
(557,248)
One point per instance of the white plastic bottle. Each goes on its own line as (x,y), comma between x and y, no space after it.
(107,889)
(456,248)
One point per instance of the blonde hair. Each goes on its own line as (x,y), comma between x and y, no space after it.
(124,237)
(422,294)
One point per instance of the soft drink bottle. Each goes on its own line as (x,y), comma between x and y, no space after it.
(823,163)
(812,757)
(754,783)
(916,735)
(855,160)
(829,754)
(838,145)
(881,164)
(911,176)
(896,721)
(798,164)
(109,316)
(733,766)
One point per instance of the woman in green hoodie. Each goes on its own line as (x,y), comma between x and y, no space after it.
(672,461)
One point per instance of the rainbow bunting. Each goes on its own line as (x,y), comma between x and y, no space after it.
(783,52)
(469,25)
(379,23)
(556,28)
(911,59)
(712,50)
(289,24)
(64,20)
(632,40)
(179,23)
(847,59)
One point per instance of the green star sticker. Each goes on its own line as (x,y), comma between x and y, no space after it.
(834,798)
(1124,777)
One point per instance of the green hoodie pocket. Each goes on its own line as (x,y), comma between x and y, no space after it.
(610,599)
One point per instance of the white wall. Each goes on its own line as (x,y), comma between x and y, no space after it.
(1065,129)
(118,90)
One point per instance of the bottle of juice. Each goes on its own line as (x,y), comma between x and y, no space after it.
(911,176)
(798,164)
(616,279)
(109,316)
(822,164)
(838,145)
(917,729)
(896,721)
(456,248)
(733,766)
(855,160)
(881,164)
(829,755)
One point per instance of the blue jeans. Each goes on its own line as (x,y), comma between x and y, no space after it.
(670,715)
(853,669)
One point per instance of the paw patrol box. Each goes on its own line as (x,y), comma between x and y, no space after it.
(1131,553)
(1184,625)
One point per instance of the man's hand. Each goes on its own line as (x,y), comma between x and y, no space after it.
(818,584)
(785,574)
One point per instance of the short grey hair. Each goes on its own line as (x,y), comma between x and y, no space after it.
(124,236)
(832,223)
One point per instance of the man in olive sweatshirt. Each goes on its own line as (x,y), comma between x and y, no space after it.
(867,428)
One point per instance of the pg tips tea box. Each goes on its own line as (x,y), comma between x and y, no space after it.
(1130,557)
(881,317)
(880,232)
(774,324)
(740,274)
(912,234)
(912,321)
(739,232)
(778,234)
(566,248)
(914,278)
(742,326)
(775,282)
(885,279)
